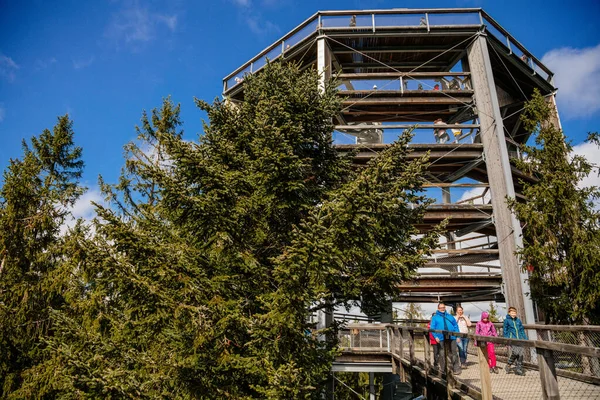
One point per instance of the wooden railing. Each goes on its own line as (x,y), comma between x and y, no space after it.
(374,20)
(410,351)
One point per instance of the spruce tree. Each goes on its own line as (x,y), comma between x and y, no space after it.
(561,226)
(201,278)
(37,191)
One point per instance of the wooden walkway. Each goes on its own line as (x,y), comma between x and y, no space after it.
(513,387)
(554,370)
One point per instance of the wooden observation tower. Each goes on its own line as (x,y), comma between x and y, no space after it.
(461,80)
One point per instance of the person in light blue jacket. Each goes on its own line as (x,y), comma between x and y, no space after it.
(513,329)
(446,322)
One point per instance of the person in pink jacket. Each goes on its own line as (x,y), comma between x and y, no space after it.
(485,327)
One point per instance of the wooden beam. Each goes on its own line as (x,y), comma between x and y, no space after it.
(451,185)
(406,126)
(397,49)
(370,101)
(508,227)
(378,75)
(548,375)
(484,372)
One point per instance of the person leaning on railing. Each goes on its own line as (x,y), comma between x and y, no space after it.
(444,321)
(513,329)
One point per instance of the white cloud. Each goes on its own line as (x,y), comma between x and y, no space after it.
(592,154)
(43,64)
(242,3)
(2,112)
(260,26)
(577,72)
(83,62)
(83,208)
(136,25)
(8,68)
(472,193)
(169,20)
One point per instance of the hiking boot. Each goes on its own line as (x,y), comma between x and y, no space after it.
(508,369)
(519,371)
(495,370)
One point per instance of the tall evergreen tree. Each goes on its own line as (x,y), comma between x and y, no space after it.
(35,196)
(561,226)
(202,277)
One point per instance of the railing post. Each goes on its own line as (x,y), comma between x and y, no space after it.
(427,352)
(401,337)
(427,349)
(411,347)
(450,384)
(484,371)
(547,374)
(387,336)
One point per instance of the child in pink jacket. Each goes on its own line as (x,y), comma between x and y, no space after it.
(485,327)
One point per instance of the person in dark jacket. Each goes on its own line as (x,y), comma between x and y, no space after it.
(513,329)
(444,321)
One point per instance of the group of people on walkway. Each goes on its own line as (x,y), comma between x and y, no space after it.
(442,320)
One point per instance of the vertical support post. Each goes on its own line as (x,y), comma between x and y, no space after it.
(427,353)
(484,371)
(323,62)
(388,341)
(411,347)
(401,338)
(373,21)
(554,118)
(450,383)
(371,386)
(508,45)
(427,20)
(548,374)
(508,228)
(446,199)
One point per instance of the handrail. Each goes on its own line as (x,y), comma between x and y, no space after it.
(542,360)
(274,45)
(516,42)
(401,11)
(318,15)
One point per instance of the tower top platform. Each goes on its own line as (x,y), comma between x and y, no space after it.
(407,39)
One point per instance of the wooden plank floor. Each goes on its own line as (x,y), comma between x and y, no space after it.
(513,387)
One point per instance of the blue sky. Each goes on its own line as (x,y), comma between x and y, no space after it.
(103,62)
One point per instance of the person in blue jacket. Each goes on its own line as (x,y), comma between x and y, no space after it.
(446,322)
(513,329)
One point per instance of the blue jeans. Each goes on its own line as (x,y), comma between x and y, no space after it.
(462,349)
